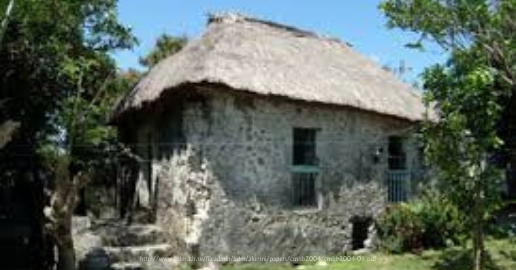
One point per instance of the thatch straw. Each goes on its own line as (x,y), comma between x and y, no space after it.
(267,58)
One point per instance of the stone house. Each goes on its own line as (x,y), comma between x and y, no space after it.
(263,139)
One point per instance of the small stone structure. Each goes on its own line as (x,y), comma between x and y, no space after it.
(222,177)
(233,171)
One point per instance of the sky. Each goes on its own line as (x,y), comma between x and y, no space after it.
(358,22)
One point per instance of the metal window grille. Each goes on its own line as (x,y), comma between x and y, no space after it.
(398,176)
(304,191)
(398,186)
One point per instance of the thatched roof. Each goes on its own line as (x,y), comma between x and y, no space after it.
(266,58)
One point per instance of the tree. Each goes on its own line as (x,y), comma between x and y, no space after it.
(8,127)
(5,20)
(470,94)
(56,71)
(400,70)
(166,45)
(85,149)
(87,145)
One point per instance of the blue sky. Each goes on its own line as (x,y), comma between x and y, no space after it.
(357,22)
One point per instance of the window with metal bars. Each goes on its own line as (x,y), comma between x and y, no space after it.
(304,169)
(304,192)
(397,177)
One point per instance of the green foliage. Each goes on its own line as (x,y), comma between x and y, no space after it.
(53,52)
(429,222)
(470,94)
(443,223)
(166,45)
(461,145)
(400,229)
(57,82)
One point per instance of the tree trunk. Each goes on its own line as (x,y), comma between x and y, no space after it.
(64,240)
(66,251)
(60,213)
(5,21)
(478,237)
(7,130)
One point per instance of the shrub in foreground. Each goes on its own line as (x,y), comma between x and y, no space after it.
(431,221)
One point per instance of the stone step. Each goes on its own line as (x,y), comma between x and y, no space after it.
(144,266)
(160,265)
(126,266)
(134,235)
(137,253)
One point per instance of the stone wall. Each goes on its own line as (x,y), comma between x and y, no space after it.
(222,171)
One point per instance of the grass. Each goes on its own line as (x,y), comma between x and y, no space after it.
(500,255)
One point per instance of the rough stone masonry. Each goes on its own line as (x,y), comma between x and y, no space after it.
(220,173)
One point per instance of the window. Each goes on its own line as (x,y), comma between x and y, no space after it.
(397,156)
(398,177)
(304,169)
(304,146)
(304,189)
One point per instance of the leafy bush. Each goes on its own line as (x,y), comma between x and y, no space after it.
(429,222)
(400,229)
(443,223)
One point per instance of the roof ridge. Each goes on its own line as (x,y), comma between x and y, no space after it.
(236,17)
